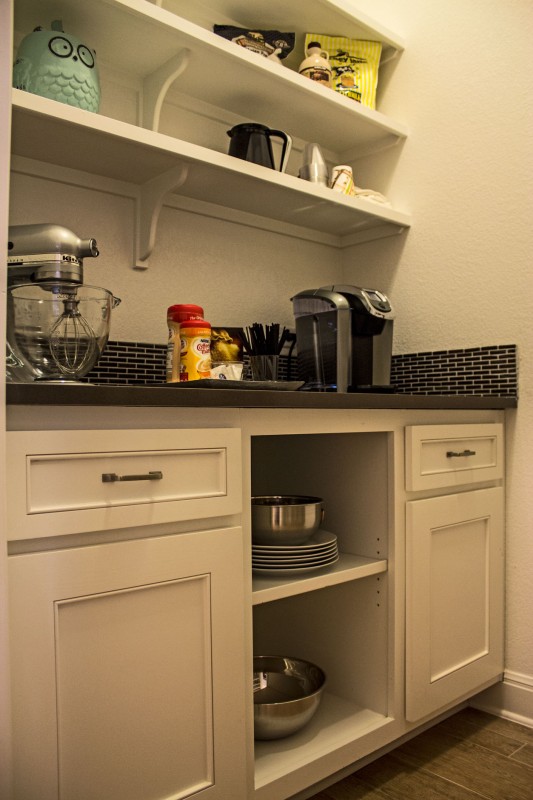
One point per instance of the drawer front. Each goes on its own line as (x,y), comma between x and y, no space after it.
(77,481)
(438,456)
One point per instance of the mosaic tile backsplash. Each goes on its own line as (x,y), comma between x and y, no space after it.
(476,370)
(490,370)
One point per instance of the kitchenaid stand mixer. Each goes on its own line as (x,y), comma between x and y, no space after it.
(57,327)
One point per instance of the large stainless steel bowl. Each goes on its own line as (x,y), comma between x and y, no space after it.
(285,519)
(287,693)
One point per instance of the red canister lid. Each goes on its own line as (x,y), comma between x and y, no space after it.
(195,323)
(184,311)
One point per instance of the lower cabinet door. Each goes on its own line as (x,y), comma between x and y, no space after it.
(454,598)
(128,670)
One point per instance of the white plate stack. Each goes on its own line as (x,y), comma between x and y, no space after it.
(320,551)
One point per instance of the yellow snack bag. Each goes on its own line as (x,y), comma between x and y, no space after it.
(354,65)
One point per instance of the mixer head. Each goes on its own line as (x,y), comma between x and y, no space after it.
(46,252)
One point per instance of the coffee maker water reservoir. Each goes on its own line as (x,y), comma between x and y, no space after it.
(344,339)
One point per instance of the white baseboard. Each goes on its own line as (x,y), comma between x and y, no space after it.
(512,698)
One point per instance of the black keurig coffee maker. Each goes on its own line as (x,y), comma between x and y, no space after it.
(344,339)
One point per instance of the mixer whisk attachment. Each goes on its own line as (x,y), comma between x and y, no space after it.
(72,339)
(58,330)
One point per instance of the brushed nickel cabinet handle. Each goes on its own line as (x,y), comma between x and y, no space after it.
(453,454)
(111,477)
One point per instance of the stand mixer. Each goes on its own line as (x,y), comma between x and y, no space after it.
(57,327)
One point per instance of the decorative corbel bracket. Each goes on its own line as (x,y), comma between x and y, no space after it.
(156,86)
(148,206)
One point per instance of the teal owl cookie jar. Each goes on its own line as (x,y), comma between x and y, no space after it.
(57,65)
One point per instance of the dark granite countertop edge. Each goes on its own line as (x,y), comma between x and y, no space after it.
(187,397)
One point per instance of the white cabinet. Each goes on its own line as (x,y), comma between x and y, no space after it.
(454,566)
(127,647)
(191,84)
(132,645)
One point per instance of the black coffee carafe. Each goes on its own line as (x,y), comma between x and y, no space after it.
(251,142)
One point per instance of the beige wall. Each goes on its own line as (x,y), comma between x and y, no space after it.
(463,275)
(460,278)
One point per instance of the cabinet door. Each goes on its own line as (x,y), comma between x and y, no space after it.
(454,613)
(128,670)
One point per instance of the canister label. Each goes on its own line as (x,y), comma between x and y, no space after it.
(173,353)
(195,357)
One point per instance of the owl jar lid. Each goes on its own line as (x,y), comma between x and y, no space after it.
(59,66)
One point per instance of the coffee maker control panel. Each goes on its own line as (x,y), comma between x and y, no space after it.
(365,301)
(378,300)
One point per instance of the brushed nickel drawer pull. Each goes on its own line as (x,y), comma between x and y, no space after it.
(111,477)
(453,454)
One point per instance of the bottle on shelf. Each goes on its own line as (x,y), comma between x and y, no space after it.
(316,65)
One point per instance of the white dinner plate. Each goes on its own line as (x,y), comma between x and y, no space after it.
(316,541)
(288,563)
(295,553)
(281,573)
(295,559)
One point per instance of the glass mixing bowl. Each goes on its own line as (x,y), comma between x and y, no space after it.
(57,330)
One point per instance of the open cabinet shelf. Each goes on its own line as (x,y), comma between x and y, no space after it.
(338,618)
(347,568)
(337,724)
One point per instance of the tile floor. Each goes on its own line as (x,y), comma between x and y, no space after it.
(470,756)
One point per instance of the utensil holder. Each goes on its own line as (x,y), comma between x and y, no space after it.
(264,367)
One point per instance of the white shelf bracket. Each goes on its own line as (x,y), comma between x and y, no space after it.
(372,234)
(148,206)
(156,86)
(392,55)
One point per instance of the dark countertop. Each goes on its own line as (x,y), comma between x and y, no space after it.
(176,395)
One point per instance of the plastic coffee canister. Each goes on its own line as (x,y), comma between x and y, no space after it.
(195,358)
(175,316)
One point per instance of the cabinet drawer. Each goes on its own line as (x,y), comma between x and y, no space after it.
(76,481)
(452,455)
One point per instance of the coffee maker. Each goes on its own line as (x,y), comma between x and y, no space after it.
(344,339)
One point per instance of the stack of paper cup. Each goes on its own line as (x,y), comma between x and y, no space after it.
(314,166)
(342,180)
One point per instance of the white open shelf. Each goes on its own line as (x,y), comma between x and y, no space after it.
(334,17)
(58,134)
(218,72)
(173,54)
(337,723)
(347,568)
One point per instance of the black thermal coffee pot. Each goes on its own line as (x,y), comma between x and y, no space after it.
(251,142)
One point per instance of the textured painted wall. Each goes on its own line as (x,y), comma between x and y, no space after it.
(462,276)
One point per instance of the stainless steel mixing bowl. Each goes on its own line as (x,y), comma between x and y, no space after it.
(285,519)
(287,693)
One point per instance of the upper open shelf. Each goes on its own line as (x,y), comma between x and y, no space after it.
(170,53)
(333,17)
(58,134)
(218,72)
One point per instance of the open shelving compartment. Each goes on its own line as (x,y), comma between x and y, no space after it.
(166,60)
(341,617)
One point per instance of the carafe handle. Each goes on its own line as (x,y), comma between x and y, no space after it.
(286,151)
